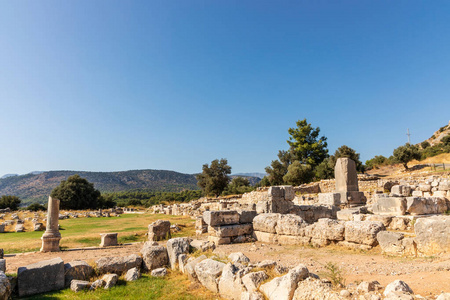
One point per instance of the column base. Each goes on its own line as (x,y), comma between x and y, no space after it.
(50,244)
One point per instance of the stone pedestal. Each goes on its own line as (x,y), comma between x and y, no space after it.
(51,236)
(108,239)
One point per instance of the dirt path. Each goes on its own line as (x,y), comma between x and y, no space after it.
(426,276)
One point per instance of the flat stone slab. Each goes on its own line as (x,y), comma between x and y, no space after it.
(41,277)
(221,217)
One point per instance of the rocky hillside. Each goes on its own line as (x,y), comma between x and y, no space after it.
(439,134)
(37,187)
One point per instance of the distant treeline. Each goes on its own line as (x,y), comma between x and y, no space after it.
(149,198)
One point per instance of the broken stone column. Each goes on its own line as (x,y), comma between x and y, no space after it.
(347,192)
(51,236)
(108,239)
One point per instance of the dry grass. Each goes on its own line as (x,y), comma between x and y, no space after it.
(83,232)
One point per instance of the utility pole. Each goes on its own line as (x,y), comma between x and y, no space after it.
(409,136)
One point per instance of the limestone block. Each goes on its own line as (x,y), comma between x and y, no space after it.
(219,240)
(424,187)
(118,265)
(328,229)
(233,230)
(285,192)
(363,232)
(160,272)
(208,271)
(78,270)
(443,296)
(442,194)
(424,206)
(432,235)
(2,228)
(110,280)
(253,280)
(154,257)
(393,206)
(238,257)
(230,282)
(252,296)
(108,239)
(3,265)
(386,220)
(190,267)
(347,214)
(399,223)
(444,186)
(5,287)
(290,225)
(159,230)
(283,288)
(401,191)
(312,288)
(221,217)
(246,216)
(292,240)
(266,237)
(266,222)
(346,176)
(417,194)
(330,199)
(132,274)
(79,285)
(397,286)
(41,277)
(394,243)
(175,247)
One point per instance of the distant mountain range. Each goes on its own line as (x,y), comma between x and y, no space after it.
(259,175)
(37,186)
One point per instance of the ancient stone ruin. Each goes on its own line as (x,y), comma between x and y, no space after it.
(51,236)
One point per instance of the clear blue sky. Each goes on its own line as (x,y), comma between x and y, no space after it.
(119,85)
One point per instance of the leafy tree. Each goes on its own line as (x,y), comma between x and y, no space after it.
(378,160)
(36,207)
(425,144)
(12,202)
(306,145)
(237,186)
(346,151)
(77,193)
(324,170)
(298,173)
(406,153)
(214,179)
(279,168)
(264,181)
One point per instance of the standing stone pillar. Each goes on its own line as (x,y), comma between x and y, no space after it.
(51,236)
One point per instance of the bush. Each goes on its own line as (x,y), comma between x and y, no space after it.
(36,207)
(424,145)
(12,202)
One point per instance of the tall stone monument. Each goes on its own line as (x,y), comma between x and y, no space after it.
(51,236)
(347,192)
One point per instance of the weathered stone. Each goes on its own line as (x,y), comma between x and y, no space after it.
(2,228)
(314,289)
(38,227)
(424,206)
(182,260)
(208,271)
(399,223)
(110,280)
(363,232)
(79,285)
(312,213)
(3,265)
(401,191)
(397,286)
(238,257)
(347,214)
(328,229)
(232,230)
(154,257)
(97,284)
(5,287)
(346,176)
(230,282)
(266,222)
(252,296)
(40,277)
(433,235)
(424,187)
(266,237)
(292,240)
(108,239)
(283,288)
(51,236)
(221,217)
(266,264)
(386,220)
(175,247)
(253,280)
(396,244)
(19,228)
(443,296)
(393,206)
(79,270)
(246,216)
(160,272)
(190,267)
(219,240)
(330,199)
(159,230)
(285,192)
(290,225)
(132,274)
(118,265)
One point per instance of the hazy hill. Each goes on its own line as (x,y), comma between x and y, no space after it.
(37,187)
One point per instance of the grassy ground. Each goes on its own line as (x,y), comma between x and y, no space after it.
(174,286)
(85,232)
